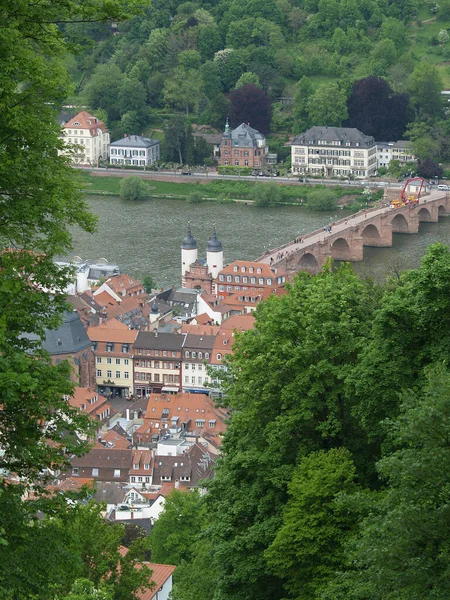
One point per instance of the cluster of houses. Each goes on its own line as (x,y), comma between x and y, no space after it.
(147,370)
(320,151)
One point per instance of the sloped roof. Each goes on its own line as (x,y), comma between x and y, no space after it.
(69,338)
(245,136)
(135,141)
(103,334)
(159,341)
(84,120)
(343,135)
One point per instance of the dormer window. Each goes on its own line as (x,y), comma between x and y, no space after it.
(235,269)
(109,347)
(136,466)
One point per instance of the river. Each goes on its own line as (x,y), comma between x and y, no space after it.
(144,238)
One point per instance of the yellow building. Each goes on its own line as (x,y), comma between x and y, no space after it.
(113,351)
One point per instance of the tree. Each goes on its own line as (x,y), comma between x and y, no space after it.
(408,523)
(322,200)
(405,338)
(149,285)
(209,42)
(250,104)
(133,188)
(83,589)
(132,98)
(425,87)
(169,542)
(303,92)
(103,88)
(246,79)
(183,89)
(289,398)
(178,140)
(443,36)
(267,194)
(376,110)
(430,169)
(309,546)
(327,106)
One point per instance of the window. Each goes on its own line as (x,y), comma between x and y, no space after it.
(261,281)
(193,367)
(117,374)
(75,471)
(186,354)
(125,361)
(206,354)
(200,354)
(133,479)
(116,472)
(109,374)
(221,278)
(229,278)
(174,354)
(212,423)
(156,352)
(139,351)
(187,367)
(194,354)
(164,352)
(94,472)
(200,379)
(245,280)
(156,364)
(109,347)
(125,347)
(200,422)
(219,356)
(236,278)
(99,359)
(126,375)
(108,361)
(117,361)
(193,380)
(186,379)
(252,279)
(269,281)
(99,373)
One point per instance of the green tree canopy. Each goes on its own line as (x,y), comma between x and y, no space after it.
(327,106)
(425,87)
(133,188)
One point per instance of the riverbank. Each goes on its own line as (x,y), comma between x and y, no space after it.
(108,184)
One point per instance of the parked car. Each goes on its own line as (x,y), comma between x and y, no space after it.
(443,187)
(186,173)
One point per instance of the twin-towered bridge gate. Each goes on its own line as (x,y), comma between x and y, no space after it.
(348,236)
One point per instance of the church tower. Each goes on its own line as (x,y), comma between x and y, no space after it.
(188,253)
(214,255)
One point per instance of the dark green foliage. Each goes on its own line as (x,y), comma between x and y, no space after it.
(430,169)
(251,105)
(376,110)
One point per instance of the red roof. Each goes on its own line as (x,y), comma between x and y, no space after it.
(84,120)
(160,574)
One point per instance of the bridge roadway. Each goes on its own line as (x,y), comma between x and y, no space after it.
(371,227)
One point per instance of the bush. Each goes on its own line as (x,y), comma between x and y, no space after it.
(194,198)
(267,194)
(322,200)
(133,188)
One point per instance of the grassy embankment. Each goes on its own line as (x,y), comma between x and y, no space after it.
(221,191)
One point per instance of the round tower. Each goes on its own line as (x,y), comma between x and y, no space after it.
(154,313)
(188,252)
(214,255)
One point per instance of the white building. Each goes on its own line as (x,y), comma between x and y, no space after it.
(87,139)
(401,151)
(334,152)
(135,150)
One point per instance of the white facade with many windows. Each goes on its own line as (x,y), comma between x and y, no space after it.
(135,150)
(87,139)
(334,152)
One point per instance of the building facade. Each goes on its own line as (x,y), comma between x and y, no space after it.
(400,151)
(334,152)
(197,355)
(157,362)
(245,275)
(243,147)
(134,150)
(113,350)
(87,139)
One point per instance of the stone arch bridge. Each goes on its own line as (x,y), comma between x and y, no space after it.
(372,227)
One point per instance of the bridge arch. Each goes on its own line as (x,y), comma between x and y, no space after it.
(340,249)
(370,235)
(442,211)
(424,214)
(400,224)
(308,262)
